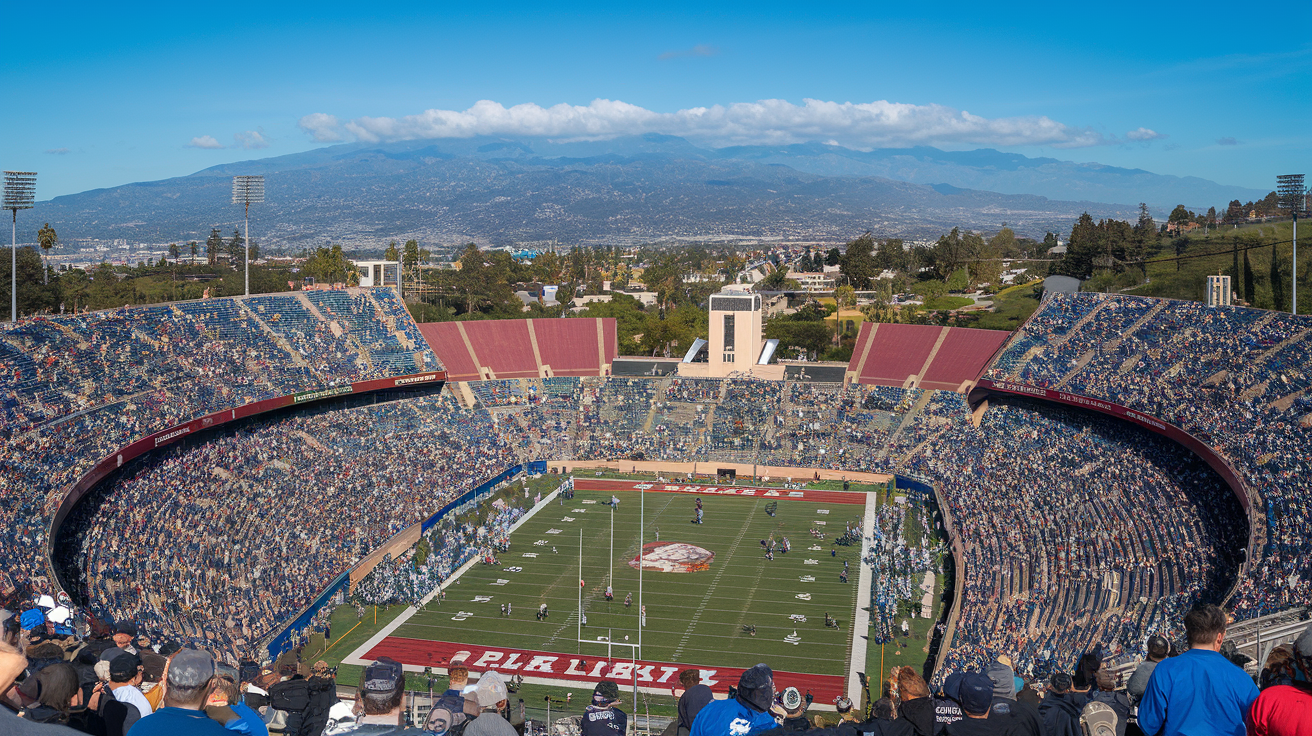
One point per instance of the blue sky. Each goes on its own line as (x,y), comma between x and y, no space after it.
(107,94)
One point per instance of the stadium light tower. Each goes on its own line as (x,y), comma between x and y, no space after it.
(1293,197)
(20,193)
(246,191)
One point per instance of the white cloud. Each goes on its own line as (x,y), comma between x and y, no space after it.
(322,127)
(856,125)
(252,139)
(204,141)
(1144,134)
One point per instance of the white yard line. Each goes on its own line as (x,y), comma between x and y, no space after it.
(356,657)
(861,624)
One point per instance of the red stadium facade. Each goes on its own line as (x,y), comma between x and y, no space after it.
(922,356)
(523,348)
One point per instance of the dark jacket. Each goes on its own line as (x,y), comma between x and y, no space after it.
(690,704)
(1060,715)
(919,714)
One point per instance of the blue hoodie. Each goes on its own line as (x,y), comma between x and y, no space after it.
(730,718)
(1197,692)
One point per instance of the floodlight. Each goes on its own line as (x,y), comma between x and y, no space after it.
(20,194)
(246,191)
(1292,193)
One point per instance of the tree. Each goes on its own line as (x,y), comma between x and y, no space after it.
(1179,216)
(858,263)
(1234,213)
(844,296)
(236,249)
(254,250)
(330,265)
(195,249)
(47,239)
(33,295)
(392,254)
(833,257)
(1277,281)
(174,252)
(213,246)
(1234,267)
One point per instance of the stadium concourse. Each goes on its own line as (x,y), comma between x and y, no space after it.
(1176,474)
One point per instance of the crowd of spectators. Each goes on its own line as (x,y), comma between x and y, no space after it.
(1079,531)
(1234,377)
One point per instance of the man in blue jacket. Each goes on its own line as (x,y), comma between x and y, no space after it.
(746,714)
(1200,691)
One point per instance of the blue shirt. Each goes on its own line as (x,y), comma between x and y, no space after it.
(730,718)
(176,721)
(1198,693)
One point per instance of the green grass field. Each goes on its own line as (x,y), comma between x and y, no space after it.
(693,618)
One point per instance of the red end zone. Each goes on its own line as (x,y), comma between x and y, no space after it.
(656,676)
(607,484)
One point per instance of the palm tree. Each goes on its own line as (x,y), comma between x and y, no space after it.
(47,238)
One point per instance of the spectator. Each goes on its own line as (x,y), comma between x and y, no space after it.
(225,706)
(1286,710)
(975,693)
(1107,694)
(1280,668)
(1060,714)
(124,686)
(59,694)
(1003,678)
(1199,691)
(695,697)
(492,700)
(794,706)
(601,717)
(1158,649)
(915,707)
(191,679)
(744,715)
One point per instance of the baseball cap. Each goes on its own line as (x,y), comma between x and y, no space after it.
(32,618)
(952,686)
(169,647)
(191,668)
(124,665)
(126,627)
(843,704)
(605,692)
(383,676)
(792,700)
(1060,681)
(492,689)
(976,693)
(757,677)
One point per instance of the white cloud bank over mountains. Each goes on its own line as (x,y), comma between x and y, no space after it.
(855,125)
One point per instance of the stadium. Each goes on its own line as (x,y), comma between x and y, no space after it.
(226,473)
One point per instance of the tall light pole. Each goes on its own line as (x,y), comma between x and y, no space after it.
(20,193)
(1293,195)
(246,191)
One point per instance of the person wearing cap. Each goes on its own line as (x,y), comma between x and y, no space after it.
(1060,714)
(190,680)
(601,717)
(743,715)
(794,711)
(167,650)
(695,697)
(1158,649)
(1286,710)
(1118,701)
(124,686)
(492,697)
(947,704)
(975,693)
(1003,677)
(1199,691)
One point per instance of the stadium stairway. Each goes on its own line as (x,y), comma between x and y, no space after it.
(907,420)
(297,359)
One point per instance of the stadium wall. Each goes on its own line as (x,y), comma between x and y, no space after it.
(1247,499)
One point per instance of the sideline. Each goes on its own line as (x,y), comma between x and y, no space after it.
(861,624)
(356,657)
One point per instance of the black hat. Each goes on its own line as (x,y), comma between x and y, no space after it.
(1060,681)
(757,677)
(383,676)
(124,665)
(1158,646)
(605,692)
(126,627)
(169,647)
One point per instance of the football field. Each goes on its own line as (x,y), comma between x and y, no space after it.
(702,618)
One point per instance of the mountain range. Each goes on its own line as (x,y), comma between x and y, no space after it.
(624,190)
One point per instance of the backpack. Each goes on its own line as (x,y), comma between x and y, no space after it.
(287,703)
(1098,719)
